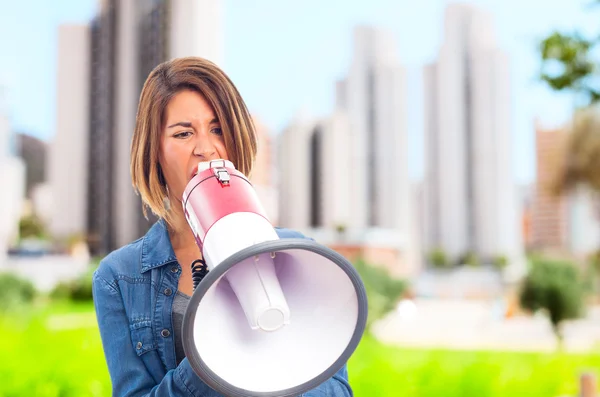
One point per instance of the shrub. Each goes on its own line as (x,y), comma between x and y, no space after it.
(32,227)
(383,291)
(15,292)
(438,258)
(500,261)
(469,258)
(79,289)
(555,287)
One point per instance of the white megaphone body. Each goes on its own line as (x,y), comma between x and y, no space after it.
(272,317)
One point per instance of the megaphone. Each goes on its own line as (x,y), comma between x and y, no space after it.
(271,317)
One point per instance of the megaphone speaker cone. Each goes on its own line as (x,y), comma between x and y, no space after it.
(312,322)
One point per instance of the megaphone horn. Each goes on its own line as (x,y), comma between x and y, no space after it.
(271,317)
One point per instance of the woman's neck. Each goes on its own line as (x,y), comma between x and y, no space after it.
(180,233)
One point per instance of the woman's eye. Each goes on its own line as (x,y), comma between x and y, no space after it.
(217,131)
(183,134)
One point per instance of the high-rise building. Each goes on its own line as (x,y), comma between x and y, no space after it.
(549,220)
(33,151)
(101,122)
(263,175)
(373,97)
(561,222)
(470,193)
(129,39)
(314,181)
(68,158)
(344,178)
(294,165)
(195,29)
(12,175)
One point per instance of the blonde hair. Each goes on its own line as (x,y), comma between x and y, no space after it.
(166,80)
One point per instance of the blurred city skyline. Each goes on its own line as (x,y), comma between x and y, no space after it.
(297,68)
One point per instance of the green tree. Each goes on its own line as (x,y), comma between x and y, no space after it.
(570,64)
(556,288)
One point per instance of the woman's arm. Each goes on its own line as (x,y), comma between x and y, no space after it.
(128,373)
(336,386)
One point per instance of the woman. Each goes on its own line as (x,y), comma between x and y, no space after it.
(189,111)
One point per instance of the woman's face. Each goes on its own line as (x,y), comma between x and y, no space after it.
(191,134)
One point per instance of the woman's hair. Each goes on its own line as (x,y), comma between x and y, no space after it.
(163,83)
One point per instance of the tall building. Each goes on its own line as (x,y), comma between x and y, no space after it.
(549,220)
(12,176)
(33,151)
(68,167)
(100,213)
(263,175)
(344,178)
(294,165)
(561,223)
(373,97)
(195,28)
(583,231)
(470,193)
(129,39)
(314,181)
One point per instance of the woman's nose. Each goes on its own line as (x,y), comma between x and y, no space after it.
(205,149)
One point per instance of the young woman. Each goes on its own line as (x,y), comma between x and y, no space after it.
(189,111)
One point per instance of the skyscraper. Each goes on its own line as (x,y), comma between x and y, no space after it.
(12,176)
(129,39)
(101,71)
(373,97)
(549,222)
(315,182)
(263,176)
(294,155)
(470,193)
(68,168)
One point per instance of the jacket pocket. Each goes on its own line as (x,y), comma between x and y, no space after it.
(142,337)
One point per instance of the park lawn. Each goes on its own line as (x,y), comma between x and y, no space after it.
(53,351)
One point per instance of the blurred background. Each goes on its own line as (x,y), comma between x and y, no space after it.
(450,150)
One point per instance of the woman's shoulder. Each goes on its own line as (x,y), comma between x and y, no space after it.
(290,233)
(122,261)
(136,258)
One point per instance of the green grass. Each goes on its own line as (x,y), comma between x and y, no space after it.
(42,362)
(40,359)
(379,370)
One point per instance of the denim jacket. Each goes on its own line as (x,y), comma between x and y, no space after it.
(133,296)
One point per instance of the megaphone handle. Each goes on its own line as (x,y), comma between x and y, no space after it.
(199,270)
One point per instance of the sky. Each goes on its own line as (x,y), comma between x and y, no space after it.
(285,57)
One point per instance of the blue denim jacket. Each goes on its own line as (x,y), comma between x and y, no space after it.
(133,296)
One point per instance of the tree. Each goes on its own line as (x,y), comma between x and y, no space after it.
(569,64)
(556,288)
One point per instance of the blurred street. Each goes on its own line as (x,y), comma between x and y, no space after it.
(463,324)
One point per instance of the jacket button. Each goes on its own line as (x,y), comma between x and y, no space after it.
(165,333)
(139,345)
(174,269)
(168,291)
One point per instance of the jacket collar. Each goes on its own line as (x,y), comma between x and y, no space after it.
(156,247)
